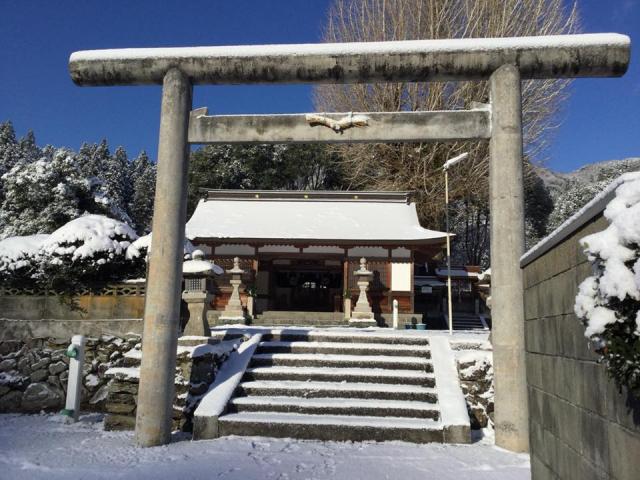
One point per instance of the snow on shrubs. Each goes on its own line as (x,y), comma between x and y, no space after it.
(18,259)
(608,302)
(141,248)
(86,252)
(92,238)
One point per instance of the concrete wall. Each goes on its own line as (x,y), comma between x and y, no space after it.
(24,330)
(581,427)
(38,307)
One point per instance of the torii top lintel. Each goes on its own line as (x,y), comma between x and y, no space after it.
(561,56)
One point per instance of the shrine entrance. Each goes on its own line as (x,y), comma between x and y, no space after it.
(503,62)
(305,285)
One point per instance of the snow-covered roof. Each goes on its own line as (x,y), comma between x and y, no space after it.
(365,218)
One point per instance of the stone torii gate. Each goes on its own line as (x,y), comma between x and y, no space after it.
(502,61)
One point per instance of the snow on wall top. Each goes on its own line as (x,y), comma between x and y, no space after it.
(577,220)
(356,48)
(309,220)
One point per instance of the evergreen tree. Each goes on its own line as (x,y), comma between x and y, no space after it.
(10,153)
(44,195)
(269,167)
(92,158)
(143,178)
(116,184)
(28,149)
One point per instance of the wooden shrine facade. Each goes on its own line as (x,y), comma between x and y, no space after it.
(299,250)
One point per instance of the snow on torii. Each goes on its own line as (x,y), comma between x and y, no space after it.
(504,62)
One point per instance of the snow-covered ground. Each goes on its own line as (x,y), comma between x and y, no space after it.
(41,447)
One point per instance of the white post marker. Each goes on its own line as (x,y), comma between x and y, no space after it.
(448,164)
(75,352)
(395,314)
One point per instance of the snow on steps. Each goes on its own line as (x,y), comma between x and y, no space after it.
(308,389)
(343,335)
(337,406)
(336,360)
(343,347)
(338,384)
(332,427)
(362,375)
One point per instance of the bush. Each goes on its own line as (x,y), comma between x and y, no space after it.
(608,302)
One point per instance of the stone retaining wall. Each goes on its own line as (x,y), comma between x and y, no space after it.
(34,373)
(581,427)
(474,361)
(196,368)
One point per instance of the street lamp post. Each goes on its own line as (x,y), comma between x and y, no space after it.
(448,164)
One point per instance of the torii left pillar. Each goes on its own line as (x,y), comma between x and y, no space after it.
(162,301)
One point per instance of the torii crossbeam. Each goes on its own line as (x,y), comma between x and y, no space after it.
(502,61)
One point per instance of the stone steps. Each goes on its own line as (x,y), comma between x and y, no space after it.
(290,318)
(335,347)
(342,385)
(337,406)
(309,389)
(360,375)
(344,361)
(467,321)
(338,335)
(332,427)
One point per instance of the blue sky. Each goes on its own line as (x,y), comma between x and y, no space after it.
(600,122)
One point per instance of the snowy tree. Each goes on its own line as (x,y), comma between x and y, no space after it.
(92,158)
(19,260)
(270,167)
(115,184)
(584,184)
(608,302)
(10,152)
(143,184)
(44,195)
(575,196)
(87,252)
(29,150)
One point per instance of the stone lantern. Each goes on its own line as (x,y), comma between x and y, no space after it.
(362,314)
(197,287)
(233,311)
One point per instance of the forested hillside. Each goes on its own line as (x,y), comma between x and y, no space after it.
(570,191)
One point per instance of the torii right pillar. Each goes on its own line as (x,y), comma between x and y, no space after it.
(507,246)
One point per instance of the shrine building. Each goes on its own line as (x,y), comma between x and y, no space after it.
(299,249)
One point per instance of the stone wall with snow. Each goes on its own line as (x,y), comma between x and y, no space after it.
(34,373)
(197,362)
(474,361)
(581,426)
